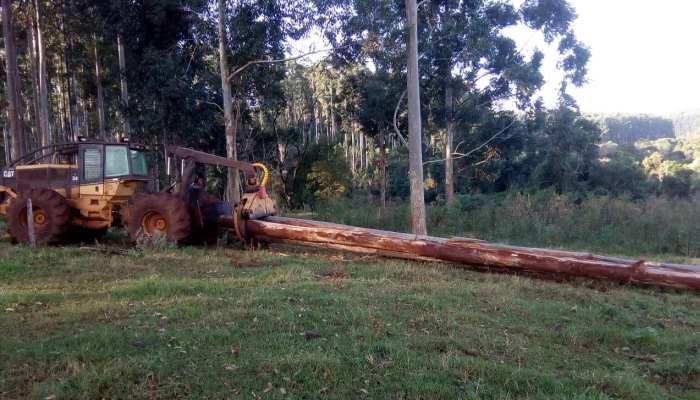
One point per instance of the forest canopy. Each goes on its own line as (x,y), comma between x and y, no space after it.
(152,70)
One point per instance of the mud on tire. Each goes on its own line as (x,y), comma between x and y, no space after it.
(52,216)
(159,213)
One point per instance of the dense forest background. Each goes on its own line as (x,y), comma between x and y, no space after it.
(152,70)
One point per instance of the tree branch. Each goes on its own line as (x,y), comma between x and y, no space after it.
(278,60)
(213,104)
(477,148)
(396,111)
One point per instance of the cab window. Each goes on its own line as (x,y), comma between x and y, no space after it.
(116,161)
(138,163)
(92,164)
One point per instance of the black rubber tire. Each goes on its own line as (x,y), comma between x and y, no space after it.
(168,206)
(56,216)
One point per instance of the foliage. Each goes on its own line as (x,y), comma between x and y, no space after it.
(294,116)
(620,173)
(628,129)
(687,124)
(568,150)
(317,172)
(329,178)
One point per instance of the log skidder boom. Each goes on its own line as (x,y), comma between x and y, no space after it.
(91,186)
(255,202)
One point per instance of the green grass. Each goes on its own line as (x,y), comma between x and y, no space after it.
(652,228)
(295,323)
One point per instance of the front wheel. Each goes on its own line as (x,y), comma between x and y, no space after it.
(51,216)
(163,214)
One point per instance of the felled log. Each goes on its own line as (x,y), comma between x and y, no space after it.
(470,252)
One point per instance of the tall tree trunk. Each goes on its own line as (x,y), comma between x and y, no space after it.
(415,156)
(346,144)
(317,135)
(100,94)
(232,187)
(122,81)
(6,144)
(352,147)
(79,106)
(449,140)
(332,114)
(14,107)
(43,79)
(382,168)
(84,104)
(60,117)
(64,77)
(363,153)
(35,125)
(65,85)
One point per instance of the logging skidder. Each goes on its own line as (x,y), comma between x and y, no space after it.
(87,187)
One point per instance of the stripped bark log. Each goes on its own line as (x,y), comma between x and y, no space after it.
(470,252)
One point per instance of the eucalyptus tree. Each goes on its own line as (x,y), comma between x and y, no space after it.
(474,62)
(376,90)
(159,76)
(384,34)
(251,41)
(13,83)
(415,147)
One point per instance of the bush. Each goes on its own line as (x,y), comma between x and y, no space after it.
(320,172)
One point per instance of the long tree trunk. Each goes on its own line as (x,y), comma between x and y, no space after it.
(469,252)
(415,155)
(67,109)
(232,188)
(100,94)
(382,168)
(317,135)
(332,115)
(6,143)
(35,125)
(79,107)
(449,140)
(14,108)
(64,80)
(60,101)
(352,147)
(43,79)
(122,81)
(362,149)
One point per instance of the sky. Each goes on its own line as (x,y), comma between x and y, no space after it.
(645,55)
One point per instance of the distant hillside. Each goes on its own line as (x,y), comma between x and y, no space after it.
(687,123)
(630,128)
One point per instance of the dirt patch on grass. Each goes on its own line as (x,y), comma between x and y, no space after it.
(333,274)
(254,262)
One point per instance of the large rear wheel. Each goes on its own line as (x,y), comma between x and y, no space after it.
(163,214)
(51,216)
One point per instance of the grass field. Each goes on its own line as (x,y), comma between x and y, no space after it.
(86,323)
